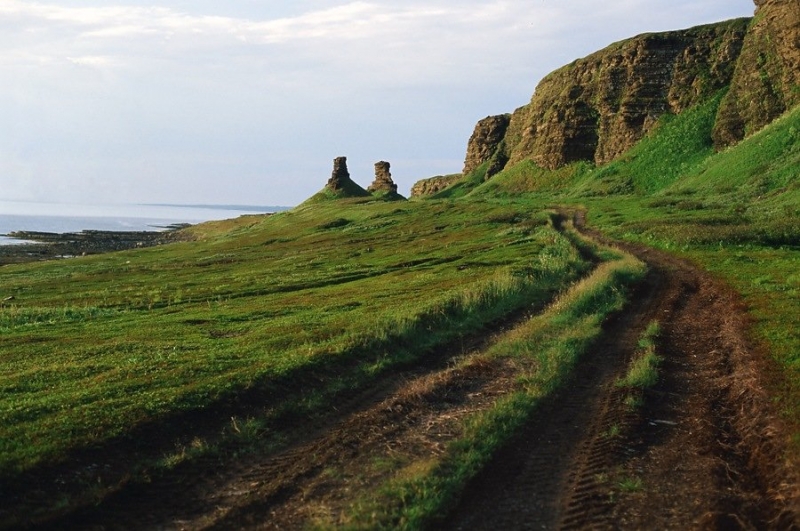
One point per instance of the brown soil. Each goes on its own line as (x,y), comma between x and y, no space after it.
(701,453)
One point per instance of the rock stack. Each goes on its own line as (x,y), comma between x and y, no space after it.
(340,177)
(383,179)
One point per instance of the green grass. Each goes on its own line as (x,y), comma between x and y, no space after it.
(96,346)
(643,370)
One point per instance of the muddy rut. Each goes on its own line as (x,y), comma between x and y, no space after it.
(702,452)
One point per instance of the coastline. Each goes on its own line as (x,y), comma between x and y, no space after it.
(35,246)
(44,231)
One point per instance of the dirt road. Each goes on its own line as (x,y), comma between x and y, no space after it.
(701,453)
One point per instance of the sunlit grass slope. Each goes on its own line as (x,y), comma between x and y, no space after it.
(95,346)
(737,213)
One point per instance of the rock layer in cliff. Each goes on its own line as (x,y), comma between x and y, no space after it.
(766,82)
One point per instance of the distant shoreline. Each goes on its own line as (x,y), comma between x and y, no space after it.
(61,218)
(44,231)
(37,246)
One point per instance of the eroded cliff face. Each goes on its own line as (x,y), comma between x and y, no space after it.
(598,107)
(433,185)
(767,78)
(484,143)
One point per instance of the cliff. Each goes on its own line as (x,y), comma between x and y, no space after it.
(598,107)
(767,78)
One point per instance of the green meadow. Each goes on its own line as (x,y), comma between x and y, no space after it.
(95,346)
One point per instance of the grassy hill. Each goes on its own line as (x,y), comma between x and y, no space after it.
(96,346)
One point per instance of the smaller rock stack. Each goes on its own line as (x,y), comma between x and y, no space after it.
(383,179)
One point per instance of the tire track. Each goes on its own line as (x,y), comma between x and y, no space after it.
(411,414)
(525,485)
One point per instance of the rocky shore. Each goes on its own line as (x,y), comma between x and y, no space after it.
(51,245)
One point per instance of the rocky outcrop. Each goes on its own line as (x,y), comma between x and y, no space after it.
(340,185)
(383,180)
(340,177)
(433,185)
(598,107)
(485,144)
(766,82)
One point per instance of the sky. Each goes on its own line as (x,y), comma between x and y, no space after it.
(249,101)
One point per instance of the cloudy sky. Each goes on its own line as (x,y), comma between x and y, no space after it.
(249,101)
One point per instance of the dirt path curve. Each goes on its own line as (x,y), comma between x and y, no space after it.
(701,453)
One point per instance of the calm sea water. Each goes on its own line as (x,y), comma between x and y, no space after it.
(60,217)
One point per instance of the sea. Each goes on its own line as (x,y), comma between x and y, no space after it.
(67,217)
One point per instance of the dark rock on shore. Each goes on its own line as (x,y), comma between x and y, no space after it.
(51,245)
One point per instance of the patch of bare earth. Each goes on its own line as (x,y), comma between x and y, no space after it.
(701,453)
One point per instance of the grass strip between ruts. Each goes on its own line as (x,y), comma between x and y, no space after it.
(547,348)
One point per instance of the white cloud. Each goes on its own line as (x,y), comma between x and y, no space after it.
(92,61)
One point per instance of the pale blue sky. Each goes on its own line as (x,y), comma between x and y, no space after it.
(248,101)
